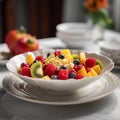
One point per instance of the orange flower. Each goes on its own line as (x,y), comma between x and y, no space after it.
(95,5)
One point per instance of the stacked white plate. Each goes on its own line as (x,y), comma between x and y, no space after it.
(112,50)
(75,35)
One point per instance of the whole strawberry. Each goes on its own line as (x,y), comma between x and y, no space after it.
(90,62)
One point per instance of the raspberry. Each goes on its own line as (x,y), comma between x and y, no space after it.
(63,74)
(79,76)
(90,62)
(50,70)
(25,71)
(40,58)
(57,53)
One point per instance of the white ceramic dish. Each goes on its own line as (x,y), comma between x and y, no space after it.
(99,89)
(111,49)
(59,86)
(75,34)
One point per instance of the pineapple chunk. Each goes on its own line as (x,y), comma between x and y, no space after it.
(66,52)
(93,72)
(89,74)
(82,57)
(97,69)
(82,71)
(46,78)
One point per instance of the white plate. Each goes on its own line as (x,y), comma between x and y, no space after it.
(101,88)
(3,48)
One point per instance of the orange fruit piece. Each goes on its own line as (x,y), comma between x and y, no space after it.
(82,71)
(93,72)
(82,57)
(97,69)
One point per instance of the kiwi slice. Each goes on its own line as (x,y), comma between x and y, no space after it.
(99,62)
(75,56)
(36,70)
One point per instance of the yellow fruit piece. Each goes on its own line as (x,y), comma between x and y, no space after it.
(82,71)
(75,56)
(29,59)
(46,78)
(93,73)
(82,57)
(66,52)
(97,69)
(88,74)
(19,70)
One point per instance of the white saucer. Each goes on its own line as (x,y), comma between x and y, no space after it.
(101,88)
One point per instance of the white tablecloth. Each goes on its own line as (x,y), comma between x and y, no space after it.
(12,108)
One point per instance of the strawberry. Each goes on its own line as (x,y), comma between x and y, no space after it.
(90,62)
(25,71)
(50,69)
(63,74)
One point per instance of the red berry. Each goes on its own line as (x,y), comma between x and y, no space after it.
(50,69)
(79,76)
(40,58)
(25,71)
(87,69)
(77,67)
(24,65)
(56,72)
(72,71)
(44,67)
(63,74)
(90,62)
(57,53)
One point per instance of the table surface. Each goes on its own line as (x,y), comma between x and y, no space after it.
(12,108)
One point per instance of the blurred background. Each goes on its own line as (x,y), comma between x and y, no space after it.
(40,17)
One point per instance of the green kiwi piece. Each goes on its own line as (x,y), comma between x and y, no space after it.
(75,56)
(99,62)
(36,70)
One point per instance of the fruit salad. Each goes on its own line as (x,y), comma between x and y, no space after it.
(60,65)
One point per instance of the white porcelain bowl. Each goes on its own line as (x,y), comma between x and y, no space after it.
(75,35)
(111,49)
(59,86)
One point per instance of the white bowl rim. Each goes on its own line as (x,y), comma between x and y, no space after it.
(65,27)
